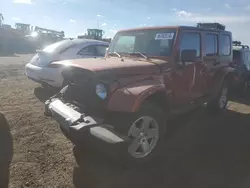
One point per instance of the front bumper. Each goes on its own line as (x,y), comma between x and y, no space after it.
(78,125)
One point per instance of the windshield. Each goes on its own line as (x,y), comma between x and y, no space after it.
(150,42)
(58,47)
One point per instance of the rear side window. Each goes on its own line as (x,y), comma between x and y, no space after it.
(211,44)
(191,41)
(225,45)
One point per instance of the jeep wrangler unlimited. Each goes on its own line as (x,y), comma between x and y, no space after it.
(148,75)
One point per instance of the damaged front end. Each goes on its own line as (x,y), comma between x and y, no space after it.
(80,111)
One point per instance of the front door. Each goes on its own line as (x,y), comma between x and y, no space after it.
(183,76)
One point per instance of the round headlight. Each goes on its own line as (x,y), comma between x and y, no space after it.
(101,91)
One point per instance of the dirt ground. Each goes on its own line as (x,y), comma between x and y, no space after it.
(203,151)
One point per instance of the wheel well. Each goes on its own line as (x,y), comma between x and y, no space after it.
(159,99)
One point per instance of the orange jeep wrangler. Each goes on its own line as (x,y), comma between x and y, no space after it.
(148,75)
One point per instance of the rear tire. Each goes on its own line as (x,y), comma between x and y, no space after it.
(219,103)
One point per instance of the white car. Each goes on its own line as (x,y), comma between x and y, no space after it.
(40,69)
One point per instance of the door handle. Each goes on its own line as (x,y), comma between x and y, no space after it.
(203,70)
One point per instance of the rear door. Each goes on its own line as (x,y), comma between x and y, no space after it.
(211,62)
(217,65)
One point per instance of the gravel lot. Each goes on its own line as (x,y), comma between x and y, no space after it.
(205,151)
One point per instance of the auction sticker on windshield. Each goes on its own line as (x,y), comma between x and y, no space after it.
(164,36)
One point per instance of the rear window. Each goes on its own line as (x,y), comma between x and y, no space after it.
(58,47)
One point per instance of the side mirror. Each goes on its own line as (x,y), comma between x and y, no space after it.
(188,55)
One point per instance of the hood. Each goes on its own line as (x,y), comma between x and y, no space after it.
(114,66)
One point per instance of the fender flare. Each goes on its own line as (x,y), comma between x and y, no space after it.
(129,98)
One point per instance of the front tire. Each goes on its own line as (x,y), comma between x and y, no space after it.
(146,129)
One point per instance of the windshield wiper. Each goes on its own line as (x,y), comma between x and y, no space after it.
(116,54)
(136,53)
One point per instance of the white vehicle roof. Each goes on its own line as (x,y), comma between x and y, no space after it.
(60,46)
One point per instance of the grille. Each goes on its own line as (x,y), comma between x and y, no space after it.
(84,96)
(81,91)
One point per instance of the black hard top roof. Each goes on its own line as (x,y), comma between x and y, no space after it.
(203,29)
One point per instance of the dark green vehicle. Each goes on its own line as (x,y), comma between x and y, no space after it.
(241,62)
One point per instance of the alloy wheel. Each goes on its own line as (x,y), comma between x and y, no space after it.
(144,133)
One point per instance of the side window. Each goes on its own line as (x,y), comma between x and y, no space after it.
(225,45)
(247,56)
(88,50)
(246,60)
(191,41)
(211,45)
(244,56)
(101,50)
